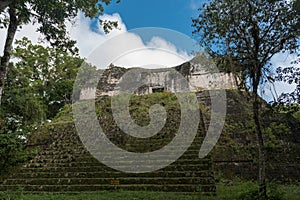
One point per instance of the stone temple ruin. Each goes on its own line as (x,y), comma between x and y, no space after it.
(62,163)
(198,76)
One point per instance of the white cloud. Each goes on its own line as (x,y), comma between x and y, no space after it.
(157,42)
(128,50)
(156,58)
(88,39)
(195,4)
(156,53)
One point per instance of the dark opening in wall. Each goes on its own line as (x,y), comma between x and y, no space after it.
(158,89)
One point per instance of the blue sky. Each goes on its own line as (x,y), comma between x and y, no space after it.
(172,14)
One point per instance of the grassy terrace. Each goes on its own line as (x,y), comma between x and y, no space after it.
(229,190)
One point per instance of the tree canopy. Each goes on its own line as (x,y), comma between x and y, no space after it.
(51,16)
(39,84)
(243,36)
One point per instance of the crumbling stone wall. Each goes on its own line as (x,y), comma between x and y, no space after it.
(198,77)
(87,93)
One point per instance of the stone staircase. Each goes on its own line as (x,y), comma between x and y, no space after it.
(64,165)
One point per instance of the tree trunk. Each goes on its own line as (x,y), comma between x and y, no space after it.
(261,149)
(1,89)
(11,32)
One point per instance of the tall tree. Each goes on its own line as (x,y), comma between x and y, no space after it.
(51,15)
(245,35)
(39,84)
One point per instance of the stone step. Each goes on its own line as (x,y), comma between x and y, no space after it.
(159,173)
(127,165)
(87,156)
(71,151)
(95,162)
(104,181)
(137,147)
(103,168)
(137,187)
(65,165)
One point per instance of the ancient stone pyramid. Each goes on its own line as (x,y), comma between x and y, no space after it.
(63,164)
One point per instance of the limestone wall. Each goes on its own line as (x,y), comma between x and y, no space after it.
(164,80)
(87,93)
(211,81)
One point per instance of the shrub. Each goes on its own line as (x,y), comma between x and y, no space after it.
(12,195)
(272,194)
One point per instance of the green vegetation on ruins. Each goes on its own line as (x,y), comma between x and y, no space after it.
(235,190)
(234,157)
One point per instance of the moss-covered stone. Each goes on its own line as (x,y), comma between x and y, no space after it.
(63,163)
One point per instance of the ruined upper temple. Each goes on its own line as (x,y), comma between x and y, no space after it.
(199,75)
